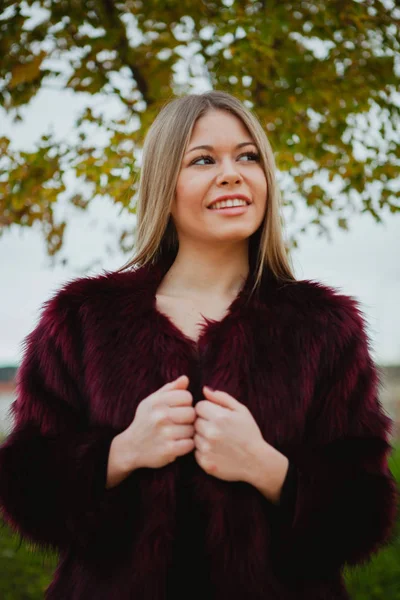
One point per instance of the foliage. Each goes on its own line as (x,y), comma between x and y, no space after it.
(320,75)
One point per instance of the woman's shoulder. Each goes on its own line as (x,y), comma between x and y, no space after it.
(78,290)
(319,303)
(319,293)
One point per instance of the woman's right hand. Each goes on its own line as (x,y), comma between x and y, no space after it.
(161,430)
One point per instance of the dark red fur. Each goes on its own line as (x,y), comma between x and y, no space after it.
(298,357)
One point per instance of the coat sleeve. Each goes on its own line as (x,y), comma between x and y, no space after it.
(53,464)
(340,500)
(287,500)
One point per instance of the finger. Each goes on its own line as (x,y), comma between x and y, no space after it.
(177,432)
(180,382)
(220,397)
(182,414)
(200,442)
(207,410)
(200,426)
(177,397)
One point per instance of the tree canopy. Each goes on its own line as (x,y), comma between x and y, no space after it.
(322,77)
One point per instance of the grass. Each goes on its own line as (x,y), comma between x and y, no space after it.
(24,574)
(380,578)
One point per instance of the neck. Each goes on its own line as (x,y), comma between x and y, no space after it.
(197,272)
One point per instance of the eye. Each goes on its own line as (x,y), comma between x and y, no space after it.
(201,157)
(254,156)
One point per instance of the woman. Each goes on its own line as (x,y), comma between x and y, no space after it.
(150,484)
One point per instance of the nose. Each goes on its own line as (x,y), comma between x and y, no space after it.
(229,173)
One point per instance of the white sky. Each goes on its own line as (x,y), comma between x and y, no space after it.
(363,262)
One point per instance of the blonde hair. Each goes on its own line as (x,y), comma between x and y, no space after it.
(164,147)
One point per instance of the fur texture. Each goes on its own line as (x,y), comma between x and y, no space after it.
(298,356)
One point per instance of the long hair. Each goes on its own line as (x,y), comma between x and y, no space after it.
(164,147)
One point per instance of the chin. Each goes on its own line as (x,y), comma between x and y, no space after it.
(235,229)
(233,236)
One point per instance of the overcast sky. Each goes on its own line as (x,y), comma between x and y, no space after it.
(363,262)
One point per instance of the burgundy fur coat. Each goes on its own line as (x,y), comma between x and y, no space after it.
(297,356)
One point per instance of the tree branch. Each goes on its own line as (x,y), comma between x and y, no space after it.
(124,49)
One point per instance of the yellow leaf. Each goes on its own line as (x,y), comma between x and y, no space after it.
(26,72)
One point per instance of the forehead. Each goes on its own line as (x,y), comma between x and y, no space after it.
(219,126)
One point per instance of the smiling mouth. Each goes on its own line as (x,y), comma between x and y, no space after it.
(231,210)
(211,206)
(228,207)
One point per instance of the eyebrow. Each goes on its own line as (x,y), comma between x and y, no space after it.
(207,147)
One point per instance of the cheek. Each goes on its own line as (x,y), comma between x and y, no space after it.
(178,193)
(261,182)
(262,188)
(184,189)
(189,193)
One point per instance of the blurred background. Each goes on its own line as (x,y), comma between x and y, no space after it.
(79,85)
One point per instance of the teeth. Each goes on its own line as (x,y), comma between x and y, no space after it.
(229,203)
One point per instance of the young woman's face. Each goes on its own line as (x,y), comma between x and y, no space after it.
(223,169)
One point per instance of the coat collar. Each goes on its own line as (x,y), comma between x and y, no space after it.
(146,279)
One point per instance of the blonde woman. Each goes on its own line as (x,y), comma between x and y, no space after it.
(200,423)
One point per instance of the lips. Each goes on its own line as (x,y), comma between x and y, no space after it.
(230,197)
(230,209)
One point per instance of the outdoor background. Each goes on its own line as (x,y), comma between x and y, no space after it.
(79,85)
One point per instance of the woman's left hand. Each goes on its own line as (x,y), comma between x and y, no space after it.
(226,436)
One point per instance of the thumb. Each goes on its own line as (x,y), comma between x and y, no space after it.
(181,382)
